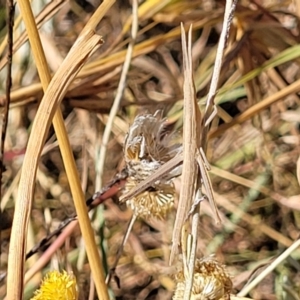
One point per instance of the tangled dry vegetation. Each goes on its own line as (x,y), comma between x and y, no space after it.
(253,143)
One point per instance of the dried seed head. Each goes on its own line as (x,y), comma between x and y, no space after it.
(211,281)
(147,147)
(155,202)
(147,142)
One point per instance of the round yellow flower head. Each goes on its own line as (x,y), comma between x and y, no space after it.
(57,286)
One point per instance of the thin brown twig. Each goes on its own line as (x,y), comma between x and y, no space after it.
(10,12)
(120,250)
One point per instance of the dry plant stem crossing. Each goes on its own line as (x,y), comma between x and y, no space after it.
(80,51)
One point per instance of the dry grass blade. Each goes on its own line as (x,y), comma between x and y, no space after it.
(98,15)
(191,143)
(253,110)
(54,94)
(114,59)
(269,269)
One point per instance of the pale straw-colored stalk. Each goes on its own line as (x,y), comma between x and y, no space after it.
(81,50)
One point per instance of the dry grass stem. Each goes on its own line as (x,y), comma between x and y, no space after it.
(258,107)
(269,269)
(210,108)
(119,94)
(72,68)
